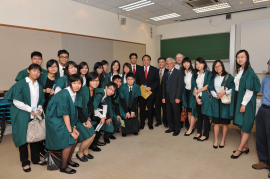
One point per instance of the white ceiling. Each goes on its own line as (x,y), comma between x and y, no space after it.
(163,7)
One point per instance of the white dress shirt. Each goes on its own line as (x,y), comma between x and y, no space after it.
(72,94)
(177,67)
(34,96)
(125,80)
(104,109)
(217,84)
(187,79)
(61,71)
(84,80)
(248,94)
(200,81)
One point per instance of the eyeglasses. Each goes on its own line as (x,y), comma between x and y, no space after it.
(111,90)
(63,57)
(100,67)
(217,66)
(37,58)
(95,80)
(53,67)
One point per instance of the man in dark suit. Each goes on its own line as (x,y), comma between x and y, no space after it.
(173,85)
(133,60)
(149,77)
(158,101)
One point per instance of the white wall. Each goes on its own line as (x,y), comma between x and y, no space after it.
(74,17)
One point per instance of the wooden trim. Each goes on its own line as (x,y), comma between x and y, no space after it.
(7,25)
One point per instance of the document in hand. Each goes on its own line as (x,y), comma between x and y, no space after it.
(98,127)
(122,123)
(145,94)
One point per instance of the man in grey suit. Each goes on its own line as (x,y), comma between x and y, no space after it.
(173,85)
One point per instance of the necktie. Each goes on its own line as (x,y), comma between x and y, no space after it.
(130,99)
(63,69)
(167,83)
(160,77)
(145,73)
(134,70)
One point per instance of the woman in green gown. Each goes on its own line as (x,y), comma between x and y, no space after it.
(243,100)
(83,70)
(70,69)
(103,80)
(126,69)
(61,119)
(22,111)
(105,64)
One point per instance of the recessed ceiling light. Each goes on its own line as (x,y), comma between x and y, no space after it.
(168,16)
(211,8)
(136,5)
(256,1)
(128,14)
(240,2)
(87,1)
(146,20)
(170,4)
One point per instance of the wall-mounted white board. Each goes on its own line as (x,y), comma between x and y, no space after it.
(255,38)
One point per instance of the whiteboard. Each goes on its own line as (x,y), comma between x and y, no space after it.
(255,38)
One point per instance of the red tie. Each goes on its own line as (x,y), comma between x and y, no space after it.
(145,73)
(134,70)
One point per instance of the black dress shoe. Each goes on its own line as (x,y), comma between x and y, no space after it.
(100,143)
(158,124)
(222,146)
(166,125)
(235,157)
(82,159)
(189,134)
(27,170)
(176,133)
(135,133)
(215,147)
(95,148)
(201,140)
(74,164)
(124,135)
(169,131)
(107,140)
(64,170)
(245,151)
(112,137)
(196,138)
(117,131)
(142,126)
(151,127)
(89,156)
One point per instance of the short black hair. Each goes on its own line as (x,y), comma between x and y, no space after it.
(116,77)
(73,78)
(51,62)
(36,53)
(111,83)
(35,66)
(133,54)
(130,74)
(67,65)
(62,52)
(90,77)
(104,62)
(161,58)
(146,56)
(81,65)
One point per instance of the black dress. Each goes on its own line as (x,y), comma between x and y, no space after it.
(49,84)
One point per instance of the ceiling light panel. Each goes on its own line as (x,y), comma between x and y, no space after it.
(212,7)
(136,5)
(168,16)
(256,1)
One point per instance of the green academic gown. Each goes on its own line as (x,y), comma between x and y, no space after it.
(111,112)
(245,121)
(206,108)
(62,82)
(219,106)
(19,118)
(124,94)
(57,134)
(105,81)
(23,74)
(43,79)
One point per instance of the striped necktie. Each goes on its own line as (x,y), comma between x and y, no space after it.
(167,83)
(160,77)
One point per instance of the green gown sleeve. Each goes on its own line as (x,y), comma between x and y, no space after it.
(21,75)
(62,82)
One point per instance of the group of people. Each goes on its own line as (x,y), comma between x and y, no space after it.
(75,101)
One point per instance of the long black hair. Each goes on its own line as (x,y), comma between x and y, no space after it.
(96,66)
(200,60)
(90,77)
(186,59)
(127,65)
(67,66)
(224,72)
(81,65)
(247,64)
(115,61)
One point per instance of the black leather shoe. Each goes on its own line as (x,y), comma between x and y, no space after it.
(215,147)
(74,164)
(27,170)
(43,163)
(235,157)
(107,140)
(158,124)
(222,146)
(166,125)
(112,137)
(189,134)
(64,170)
(196,138)
(89,156)
(176,133)
(124,135)
(201,140)
(245,151)
(100,143)
(169,131)
(95,148)
(82,159)
(151,127)
(117,131)
(142,126)
(135,133)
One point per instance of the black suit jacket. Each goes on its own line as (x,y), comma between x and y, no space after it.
(159,92)
(152,80)
(176,85)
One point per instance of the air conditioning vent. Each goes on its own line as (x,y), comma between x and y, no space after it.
(201,3)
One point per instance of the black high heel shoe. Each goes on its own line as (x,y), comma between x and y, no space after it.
(196,138)
(64,170)
(222,146)
(201,140)
(215,147)
(27,170)
(245,151)
(189,134)
(235,157)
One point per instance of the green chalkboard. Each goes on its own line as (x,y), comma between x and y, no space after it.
(209,47)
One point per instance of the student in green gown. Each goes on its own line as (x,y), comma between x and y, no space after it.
(187,95)
(126,70)
(105,64)
(61,119)
(220,111)
(36,58)
(129,94)
(70,69)
(115,69)
(83,70)
(26,96)
(243,100)
(63,57)
(202,80)
(98,68)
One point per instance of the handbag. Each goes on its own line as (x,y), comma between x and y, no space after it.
(226,99)
(132,125)
(36,130)
(183,115)
(53,159)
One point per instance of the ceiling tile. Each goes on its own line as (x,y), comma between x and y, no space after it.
(225,10)
(139,11)
(153,7)
(236,3)
(115,3)
(149,15)
(262,4)
(158,1)
(90,3)
(163,11)
(179,8)
(243,6)
(170,3)
(128,14)
(116,10)
(102,6)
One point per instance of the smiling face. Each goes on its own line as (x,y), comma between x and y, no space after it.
(109,90)
(94,83)
(105,67)
(199,66)
(63,59)
(100,70)
(146,61)
(179,58)
(84,70)
(76,85)
(186,65)
(218,68)
(115,66)
(118,82)
(72,69)
(133,59)
(53,69)
(37,60)
(126,70)
(170,64)
(34,74)
(161,64)
(241,59)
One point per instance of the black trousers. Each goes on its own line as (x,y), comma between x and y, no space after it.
(158,106)
(150,105)
(173,114)
(34,149)
(116,125)
(263,135)
(202,119)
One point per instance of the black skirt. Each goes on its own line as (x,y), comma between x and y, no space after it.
(187,98)
(219,120)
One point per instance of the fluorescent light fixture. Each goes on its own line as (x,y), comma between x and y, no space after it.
(136,5)
(212,7)
(256,1)
(168,16)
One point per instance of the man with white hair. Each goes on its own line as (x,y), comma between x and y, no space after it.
(173,85)
(179,58)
